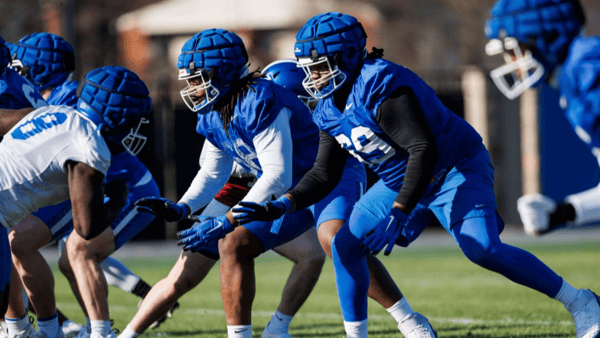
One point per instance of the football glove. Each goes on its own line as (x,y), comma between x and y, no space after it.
(207,230)
(535,210)
(385,233)
(163,208)
(246,212)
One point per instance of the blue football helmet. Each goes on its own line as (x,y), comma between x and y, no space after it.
(545,28)
(210,62)
(332,44)
(4,55)
(47,60)
(119,102)
(287,73)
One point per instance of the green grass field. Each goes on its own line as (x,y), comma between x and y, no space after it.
(460,298)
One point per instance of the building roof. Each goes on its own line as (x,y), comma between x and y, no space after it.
(173,17)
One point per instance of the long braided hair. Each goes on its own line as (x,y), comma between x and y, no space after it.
(226,105)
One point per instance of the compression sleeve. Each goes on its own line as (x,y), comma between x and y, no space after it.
(403,120)
(211,177)
(324,176)
(275,152)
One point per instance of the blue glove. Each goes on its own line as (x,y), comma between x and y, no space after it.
(246,212)
(163,208)
(209,229)
(385,233)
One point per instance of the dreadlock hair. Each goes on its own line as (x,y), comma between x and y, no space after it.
(376,53)
(226,105)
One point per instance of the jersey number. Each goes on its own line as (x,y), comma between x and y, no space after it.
(28,90)
(38,125)
(368,147)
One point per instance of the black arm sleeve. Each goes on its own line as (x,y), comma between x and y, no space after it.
(324,176)
(403,120)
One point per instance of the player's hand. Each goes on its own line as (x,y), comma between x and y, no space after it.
(385,233)
(207,230)
(246,212)
(163,208)
(535,210)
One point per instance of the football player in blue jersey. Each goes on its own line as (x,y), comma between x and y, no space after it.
(268,131)
(191,268)
(48,61)
(15,91)
(72,148)
(544,42)
(431,163)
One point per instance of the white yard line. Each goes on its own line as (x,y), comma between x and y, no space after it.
(337,316)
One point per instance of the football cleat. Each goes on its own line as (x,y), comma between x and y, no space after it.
(71,329)
(3,330)
(29,332)
(586,313)
(535,210)
(268,334)
(416,325)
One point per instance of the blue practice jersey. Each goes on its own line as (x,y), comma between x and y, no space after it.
(64,95)
(579,87)
(357,130)
(17,92)
(252,115)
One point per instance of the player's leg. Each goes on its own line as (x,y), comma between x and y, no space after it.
(475,225)
(35,275)
(238,250)
(480,241)
(308,258)
(189,270)
(5,270)
(352,270)
(84,257)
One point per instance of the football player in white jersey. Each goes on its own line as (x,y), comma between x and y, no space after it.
(48,60)
(56,153)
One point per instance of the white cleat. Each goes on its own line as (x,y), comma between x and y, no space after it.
(72,329)
(535,210)
(416,326)
(29,332)
(111,334)
(586,313)
(3,330)
(268,334)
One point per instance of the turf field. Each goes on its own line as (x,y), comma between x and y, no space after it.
(460,299)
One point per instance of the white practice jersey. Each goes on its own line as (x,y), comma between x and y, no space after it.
(33,155)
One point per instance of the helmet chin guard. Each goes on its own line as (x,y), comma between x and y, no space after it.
(521,70)
(535,36)
(325,85)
